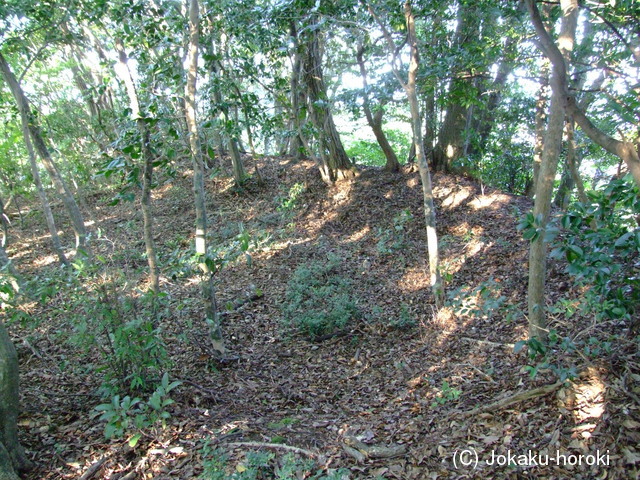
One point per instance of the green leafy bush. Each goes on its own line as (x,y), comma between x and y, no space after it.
(263,465)
(550,354)
(482,301)
(126,415)
(393,239)
(124,329)
(600,241)
(318,300)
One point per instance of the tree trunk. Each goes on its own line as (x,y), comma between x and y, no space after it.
(46,207)
(409,87)
(451,138)
(425,176)
(540,122)
(484,122)
(337,163)
(623,149)
(297,97)
(22,102)
(208,287)
(4,221)
(12,456)
(147,167)
(375,121)
(548,167)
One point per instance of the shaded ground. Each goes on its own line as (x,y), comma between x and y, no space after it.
(412,390)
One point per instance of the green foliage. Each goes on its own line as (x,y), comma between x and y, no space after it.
(126,415)
(446,394)
(482,301)
(600,242)
(531,226)
(224,249)
(405,320)
(263,465)
(124,329)
(549,354)
(289,202)
(318,300)
(392,239)
(368,152)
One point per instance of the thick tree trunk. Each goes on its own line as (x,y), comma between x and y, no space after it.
(451,137)
(22,102)
(12,456)
(208,287)
(548,167)
(297,97)
(332,151)
(147,167)
(375,121)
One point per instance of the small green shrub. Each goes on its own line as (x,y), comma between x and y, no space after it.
(404,320)
(318,300)
(289,202)
(482,301)
(263,465)
(393,239)
(600,241)
(127,415)
(446,394)
(124,329)
(549,355)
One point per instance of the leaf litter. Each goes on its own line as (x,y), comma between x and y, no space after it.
(387,399)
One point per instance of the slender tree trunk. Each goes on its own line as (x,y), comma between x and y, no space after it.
(375,121)
(4,221)
(14,278)
(208,286)
(147,167)
(484,121)
(22,102)
(429,208)
(540,121)
(12,456)
(46,206)
(332,151)
(409,87)
(429,121)
(570,175)
(548,167)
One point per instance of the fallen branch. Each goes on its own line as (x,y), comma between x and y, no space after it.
(487,342)
(353,445)
(240,303)
(93,469)
(513,399)
(280,446)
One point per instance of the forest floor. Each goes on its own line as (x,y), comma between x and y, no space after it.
(404,392)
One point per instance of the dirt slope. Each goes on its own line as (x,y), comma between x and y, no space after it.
(383,384)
